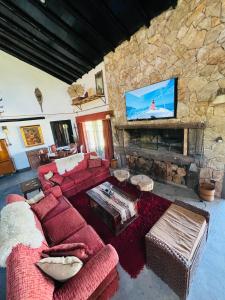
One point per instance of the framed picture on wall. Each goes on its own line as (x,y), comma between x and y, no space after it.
(99,83)
(32,135)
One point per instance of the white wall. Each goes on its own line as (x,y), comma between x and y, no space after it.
(88,81)
(17,83)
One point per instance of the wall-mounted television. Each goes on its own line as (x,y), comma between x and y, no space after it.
(155,101)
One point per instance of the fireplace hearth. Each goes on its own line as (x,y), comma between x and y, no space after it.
(166,154)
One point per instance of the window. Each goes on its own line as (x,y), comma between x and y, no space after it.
(95,138)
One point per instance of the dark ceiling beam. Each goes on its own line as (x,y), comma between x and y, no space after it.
(38,43)
(35,24)
(7,33)
(11,38)
(105,9)
(84,21)
(143,13)
(31,62)
(37,62)
(69,30)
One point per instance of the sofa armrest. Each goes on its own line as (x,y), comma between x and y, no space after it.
(106,163)
(55,190)
(45,184)
(83,284)
(14,198)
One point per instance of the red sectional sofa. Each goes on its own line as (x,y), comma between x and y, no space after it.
(98,278)
(78,179)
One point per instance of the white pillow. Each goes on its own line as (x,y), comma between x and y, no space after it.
(60,268)
(48,175)
(93,156)
(36,198)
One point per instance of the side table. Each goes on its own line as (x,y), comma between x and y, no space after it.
(30,186)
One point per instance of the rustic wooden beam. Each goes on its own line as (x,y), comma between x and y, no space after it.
(164,125)
(13,6)
(21,32)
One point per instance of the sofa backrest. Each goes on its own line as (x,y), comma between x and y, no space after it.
(52,166)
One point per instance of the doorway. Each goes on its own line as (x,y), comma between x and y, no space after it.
(62,132)
(94,137)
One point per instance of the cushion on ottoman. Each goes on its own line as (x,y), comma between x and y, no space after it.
(181,229)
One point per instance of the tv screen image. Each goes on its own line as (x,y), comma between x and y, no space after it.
(156,101)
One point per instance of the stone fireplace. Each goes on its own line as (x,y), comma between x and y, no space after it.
(171,154)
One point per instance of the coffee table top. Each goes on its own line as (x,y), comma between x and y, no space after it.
(101,201)
(30,185)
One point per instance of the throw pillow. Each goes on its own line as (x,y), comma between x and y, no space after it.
(93,156)
(44,206)
(60,268)
(36,198)
(57,179)
(48,175)
(94,163)
(79,250)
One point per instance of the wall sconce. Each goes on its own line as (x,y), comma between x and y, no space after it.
(220,97)
(6,132)
(219,139)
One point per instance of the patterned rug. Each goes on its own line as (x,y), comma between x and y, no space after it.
(130,244)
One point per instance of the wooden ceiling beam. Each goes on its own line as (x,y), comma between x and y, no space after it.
(8,23)
(84,21)
(36,24)
(69,30)
(12,39)
(22,54)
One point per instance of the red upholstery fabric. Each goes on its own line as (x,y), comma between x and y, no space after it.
(56,178)
(24,279)
(55,190)
(87,279)
(63,204)
(94,163)
(81,176)
(44,206)
(88,236)
(63,225)
(67,183)
(79,250)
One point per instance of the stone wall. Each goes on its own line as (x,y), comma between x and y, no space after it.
(187,42)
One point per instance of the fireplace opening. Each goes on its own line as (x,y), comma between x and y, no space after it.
(171,140)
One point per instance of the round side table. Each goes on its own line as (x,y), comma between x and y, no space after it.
(121,175)
(143,183)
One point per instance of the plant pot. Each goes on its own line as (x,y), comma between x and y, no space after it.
(113,163)
(207,191)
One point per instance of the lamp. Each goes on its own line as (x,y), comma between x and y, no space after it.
(220,97)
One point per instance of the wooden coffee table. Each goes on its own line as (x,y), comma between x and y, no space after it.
(109,215)
(30,186)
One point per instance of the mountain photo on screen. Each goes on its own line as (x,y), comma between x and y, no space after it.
(156,101)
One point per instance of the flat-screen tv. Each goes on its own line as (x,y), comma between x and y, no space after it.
(155,101)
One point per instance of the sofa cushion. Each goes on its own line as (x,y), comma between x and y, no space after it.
(94,163)
(88,236)
(24,279)
(44,206)
(67,183)
(81,176)
(63,225)
(60,268)
(63,204)
(181,229)
(55,190)
(97,171)
(56,178)
(79,250)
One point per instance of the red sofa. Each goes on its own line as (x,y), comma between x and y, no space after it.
(78,179)
(98,278)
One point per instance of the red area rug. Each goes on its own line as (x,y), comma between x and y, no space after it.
(130,244)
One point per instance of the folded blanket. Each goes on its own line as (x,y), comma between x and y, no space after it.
(68,163)
(17,226)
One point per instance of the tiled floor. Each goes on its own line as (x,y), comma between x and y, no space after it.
(209,283)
